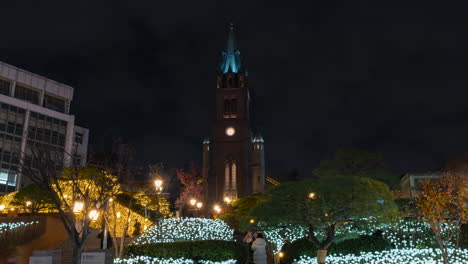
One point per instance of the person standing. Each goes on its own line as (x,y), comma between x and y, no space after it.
(136,228)
(259,249)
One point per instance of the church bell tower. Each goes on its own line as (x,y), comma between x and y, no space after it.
(233,159)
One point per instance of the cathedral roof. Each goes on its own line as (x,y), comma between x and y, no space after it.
(257,138)
(231,61)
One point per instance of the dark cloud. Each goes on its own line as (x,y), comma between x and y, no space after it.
(387,76)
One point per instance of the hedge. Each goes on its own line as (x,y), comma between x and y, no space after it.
(351,246)
(464,236)
(212,250)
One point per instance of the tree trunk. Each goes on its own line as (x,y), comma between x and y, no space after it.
(321,256)
(76,258)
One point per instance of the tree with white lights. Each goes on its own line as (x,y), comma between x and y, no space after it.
(325,205)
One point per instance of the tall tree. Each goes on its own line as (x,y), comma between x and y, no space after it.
(324,205)
(78,194)
(442,203)
(192,189)
(33,198)
(351,161)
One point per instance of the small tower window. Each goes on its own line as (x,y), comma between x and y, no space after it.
(230,82)
(234,108)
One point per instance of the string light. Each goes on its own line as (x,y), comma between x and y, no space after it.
(10,226)
(186,229)
(394,256)
(145,259)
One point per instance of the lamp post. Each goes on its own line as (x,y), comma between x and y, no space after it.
(106,226)
(158,184)
(217,209)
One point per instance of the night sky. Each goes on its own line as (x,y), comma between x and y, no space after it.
(388,76)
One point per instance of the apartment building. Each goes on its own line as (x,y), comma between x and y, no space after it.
(34,109)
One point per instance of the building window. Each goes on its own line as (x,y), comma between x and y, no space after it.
(78,138)
(230,107)
(47,129)
(77,160)
(230,179)
(4,87)
(7,182)
(26,94)
(54,103)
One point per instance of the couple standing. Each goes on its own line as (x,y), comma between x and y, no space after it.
(258,246)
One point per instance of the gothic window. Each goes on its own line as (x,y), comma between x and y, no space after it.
(227,179)
(234,108)
(230,179)
(230,107)
(227,107)
(230,82)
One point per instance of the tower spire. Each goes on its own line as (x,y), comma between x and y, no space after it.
(231,57)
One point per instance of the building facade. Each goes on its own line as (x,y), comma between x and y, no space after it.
(34,109)
(233,157)
(409,183)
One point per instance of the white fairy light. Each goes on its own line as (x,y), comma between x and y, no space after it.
(4,227)
(186,229)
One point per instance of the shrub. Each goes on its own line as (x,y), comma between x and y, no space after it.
(305,247)
(464,236)
(212,250)
(186,229)
(362,244)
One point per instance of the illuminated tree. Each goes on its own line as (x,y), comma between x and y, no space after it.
(120,216)
(192,189)
(6,199)
(325,205)
(78,194)
(154,204)
(442,203)
(33,199)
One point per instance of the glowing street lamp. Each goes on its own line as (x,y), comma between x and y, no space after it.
(312,195)
(227,200)
(252,221)
(28,203)
(158,183)
(78,207)
(199,205)
(2,207)
(193,202)
(217,209)
(93,215)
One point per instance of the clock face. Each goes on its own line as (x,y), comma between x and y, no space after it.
(230,131)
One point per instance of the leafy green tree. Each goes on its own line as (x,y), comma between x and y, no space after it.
(351,161)
(237,216)
(33,198)
(325,205)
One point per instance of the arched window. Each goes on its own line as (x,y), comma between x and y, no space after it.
(230,179)
(234,108)
(230,82)
(227,108)
(230,107)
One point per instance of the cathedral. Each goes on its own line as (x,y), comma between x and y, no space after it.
(233,157)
